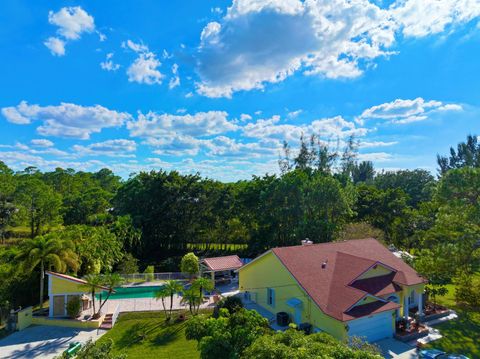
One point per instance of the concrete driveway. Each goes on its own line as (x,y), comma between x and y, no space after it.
(395,349)
(42,341)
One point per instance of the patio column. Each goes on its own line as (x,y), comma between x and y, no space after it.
(420,305)
(405,310)
(212,274)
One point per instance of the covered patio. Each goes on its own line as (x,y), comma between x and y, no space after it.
(222,270)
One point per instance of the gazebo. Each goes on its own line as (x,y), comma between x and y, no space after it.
(221,269)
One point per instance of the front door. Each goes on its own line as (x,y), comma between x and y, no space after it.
(59,306)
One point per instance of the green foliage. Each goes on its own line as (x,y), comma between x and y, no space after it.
(193,299)
(294,344)
(466,155)
(128,264)
(231,303)
(467,290)
(436,266)
(169,289)
(189,264)
(149,273)
(418,185)
(73,307)
(102,350)
(228,335)
(40,204)
(47,252)
(97,247)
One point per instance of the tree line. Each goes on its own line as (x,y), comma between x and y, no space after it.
(152,218)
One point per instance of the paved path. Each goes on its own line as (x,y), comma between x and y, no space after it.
(42,341)
(395,349)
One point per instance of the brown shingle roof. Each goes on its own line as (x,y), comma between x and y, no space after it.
(223,263)
(378,286)
(330,287)
(371,308)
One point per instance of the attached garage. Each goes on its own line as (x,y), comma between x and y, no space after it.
(372,328)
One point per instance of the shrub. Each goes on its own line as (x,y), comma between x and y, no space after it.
(232,304)
(149,273)
(189,264)
(73,307)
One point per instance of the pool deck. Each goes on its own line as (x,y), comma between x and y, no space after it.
(151,304)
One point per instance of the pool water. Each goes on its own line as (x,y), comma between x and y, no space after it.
(133,292)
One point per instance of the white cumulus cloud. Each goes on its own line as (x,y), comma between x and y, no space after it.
(259,42)
(66,119)
(41,142)
(55,45)
(144,69)
(110,148)
(406,111)
(71,22)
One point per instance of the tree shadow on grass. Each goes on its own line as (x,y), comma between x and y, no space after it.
(168,334)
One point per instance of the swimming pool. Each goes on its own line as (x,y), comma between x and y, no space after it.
(133,292)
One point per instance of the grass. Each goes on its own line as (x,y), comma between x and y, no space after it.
(461,335)
(147,335)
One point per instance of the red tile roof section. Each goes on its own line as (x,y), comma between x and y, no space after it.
(223,263)
(345,261)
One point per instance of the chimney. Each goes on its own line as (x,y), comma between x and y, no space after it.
(324,264)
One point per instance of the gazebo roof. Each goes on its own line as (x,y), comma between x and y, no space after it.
(216,264)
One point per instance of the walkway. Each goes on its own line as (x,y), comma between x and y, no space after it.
(42,341)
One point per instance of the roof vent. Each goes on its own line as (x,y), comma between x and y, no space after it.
(306,242)
(324,264)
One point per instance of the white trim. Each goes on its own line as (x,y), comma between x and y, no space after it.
(50,297)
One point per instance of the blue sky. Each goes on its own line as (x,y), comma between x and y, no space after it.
(216,86)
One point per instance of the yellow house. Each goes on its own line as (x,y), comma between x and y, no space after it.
(61,289)
(348,288)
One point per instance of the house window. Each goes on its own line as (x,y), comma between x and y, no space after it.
(271,297)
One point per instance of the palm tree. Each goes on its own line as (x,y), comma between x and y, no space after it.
(193,299)
(172,287)
(162,294)
(111,281)
(48,252)
(93,281)
(202,284)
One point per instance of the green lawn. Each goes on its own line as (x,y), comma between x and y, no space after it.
(146,335)
(461,335)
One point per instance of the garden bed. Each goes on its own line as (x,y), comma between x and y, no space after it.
(434,312)
(412,334)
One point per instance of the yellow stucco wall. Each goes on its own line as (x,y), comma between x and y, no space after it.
(64,286)
(24,318)
(375,272)
(269,272)
(71,323)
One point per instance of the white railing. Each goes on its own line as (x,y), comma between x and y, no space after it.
(115,314)
(152,277)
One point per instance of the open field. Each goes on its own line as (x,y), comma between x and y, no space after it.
(146,335)
(217,246)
